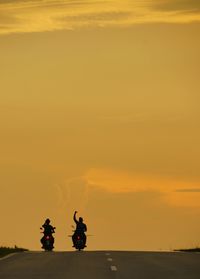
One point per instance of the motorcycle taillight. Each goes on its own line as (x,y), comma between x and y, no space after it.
(78,237)
(47,237)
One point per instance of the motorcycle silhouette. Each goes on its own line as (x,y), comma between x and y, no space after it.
(47,241)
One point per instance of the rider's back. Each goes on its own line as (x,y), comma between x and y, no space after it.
(48,229)
(80,227)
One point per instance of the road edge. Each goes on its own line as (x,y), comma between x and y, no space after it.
(7,256)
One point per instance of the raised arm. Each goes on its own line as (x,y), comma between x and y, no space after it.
(75,220)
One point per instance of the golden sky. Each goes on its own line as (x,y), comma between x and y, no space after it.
(19,16)
(99,113)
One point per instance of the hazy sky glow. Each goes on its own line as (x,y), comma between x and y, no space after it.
(100,115)
(48,15)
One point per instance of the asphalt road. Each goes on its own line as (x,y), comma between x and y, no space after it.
(101,265)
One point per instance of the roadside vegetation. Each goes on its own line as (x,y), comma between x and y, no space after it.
(9,250)
(197,249)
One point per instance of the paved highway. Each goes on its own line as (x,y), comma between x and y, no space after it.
(101,265)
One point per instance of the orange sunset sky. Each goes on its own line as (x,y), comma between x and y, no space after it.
(99,112)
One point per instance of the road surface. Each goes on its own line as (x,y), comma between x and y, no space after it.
(101,265)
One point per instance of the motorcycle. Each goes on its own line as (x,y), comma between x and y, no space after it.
(47,242)
(79,243)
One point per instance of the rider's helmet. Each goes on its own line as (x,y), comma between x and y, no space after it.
(81,219)
(47,221)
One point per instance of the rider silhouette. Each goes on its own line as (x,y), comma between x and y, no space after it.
(48,231)
(81,228)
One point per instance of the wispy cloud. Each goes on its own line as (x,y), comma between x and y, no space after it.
(174,192)
(178,5)
(18,16)
(196,190)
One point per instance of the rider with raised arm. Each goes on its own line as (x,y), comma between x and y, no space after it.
(81,228)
